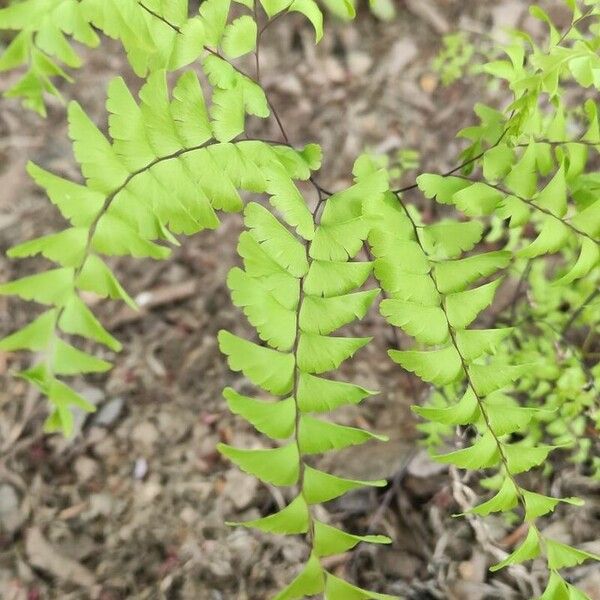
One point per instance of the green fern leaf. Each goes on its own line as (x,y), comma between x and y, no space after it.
(538,505)
(189,112)
(99,164)
(293,519)
(310,9)
(96,277)
(324,315)
(497,162)
(50,287)
(316,394)
(409,287)
(489,378)
(233,95)
(562,555)
(160,129)
(35,336)
(274,7)
(63,398)
(283,286)
(214,14)
(66,248)
(275,419)
(187,46)
(522,457)
(240,37)
(452,238)
(278,466)
(409,257)
(516,210)
(439,187)
(275,323)
(474,343)
(41,44)
(463,307)
(505,499)
(463,412)
(269,369)
(553,236)
(522,179)
(317,436)
(68,360)
(554,196)
(77,203)
(342,230)
(277,241)
(338,589)
(321,487)
(284,196)
(558,588)
(114,237)
(456,275)
(588,221)
(330,540)
(386,216)
(482,454)
(506,418)
(309,582)
(588,258)
(78,319)
(477,200)
(319,353)
(331,278)
(439,367)
(426,324)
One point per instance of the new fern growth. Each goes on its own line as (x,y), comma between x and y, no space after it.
(172,161)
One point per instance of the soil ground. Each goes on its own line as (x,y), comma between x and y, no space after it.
(133,506)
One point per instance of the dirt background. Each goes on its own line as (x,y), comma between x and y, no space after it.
(133,506)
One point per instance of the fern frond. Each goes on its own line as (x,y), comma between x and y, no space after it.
(319,277)
(155,36)
(457,356)
(162,172)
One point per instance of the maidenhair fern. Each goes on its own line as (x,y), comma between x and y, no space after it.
(297,290)
(434,295)
(156,34)
(169,169)
(513,379)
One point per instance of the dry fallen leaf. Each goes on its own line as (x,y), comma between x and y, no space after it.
(43,555)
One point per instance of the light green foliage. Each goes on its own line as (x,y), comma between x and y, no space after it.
(44,27)
(454,57)
(533,162)
(523,210)
(155,34)
(566,387)
(465,361)
(240,37)
(296,321)
(170,165)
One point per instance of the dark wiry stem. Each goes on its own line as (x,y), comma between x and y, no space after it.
(463,164)
(160,18)
(532,204)
(578,312)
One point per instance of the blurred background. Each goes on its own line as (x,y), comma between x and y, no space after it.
(133,506)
